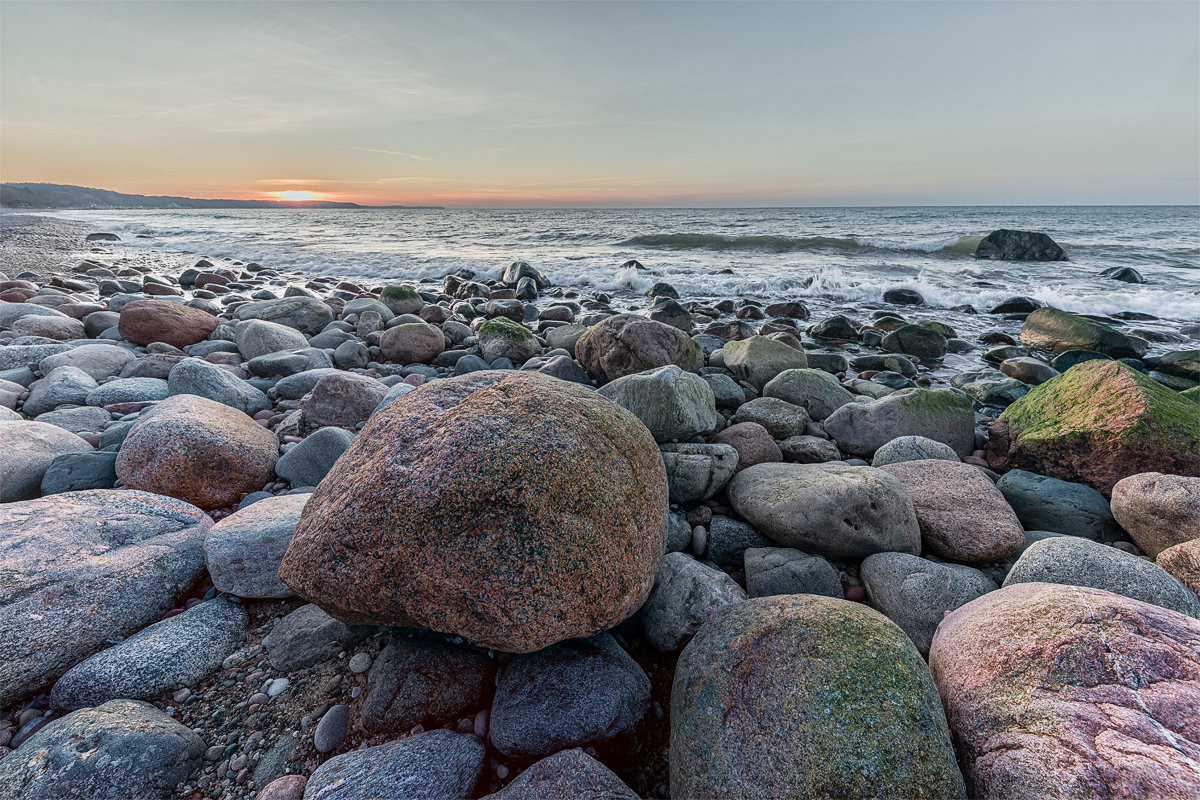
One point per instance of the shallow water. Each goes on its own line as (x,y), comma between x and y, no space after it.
(834,254)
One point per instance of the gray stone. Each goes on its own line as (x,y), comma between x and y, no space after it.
(939,414)
(697,472)
(243,550)
(11,312)
(273,763)
(281,365)
(781,418)
(394,393)
(129,390)
(562,367)
(419,681)
(758,360)
(685,594)
(435,765)
(1075,561)
(728,541)
(574,693)
(809,450)
(309,462)
(332,728)
(75,472)
(725,390)
(1043,503)
(29,449)
(351,355)
(83,568)
(671,403)
(784,570)
(566,775)
(62,386)
(123,749)
(258,337)
(98,360)
(912,448)
(77,420)
(916,593)
(154,365)
(834,510)
(293,387)
(816,390)
(306,314)
(308,636)
(916,340)
(194,376)
(679,532)
(27,355)
(176,652)
(989,386)
(99,321)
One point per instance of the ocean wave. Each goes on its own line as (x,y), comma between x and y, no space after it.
(960,245)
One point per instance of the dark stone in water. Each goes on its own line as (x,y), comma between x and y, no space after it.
(102,237)
(632,263)
(965,309)
(1009,245)
(1123,274)
(727,271)
(903,297)
(1134,315)
(1016,305)
(893,380)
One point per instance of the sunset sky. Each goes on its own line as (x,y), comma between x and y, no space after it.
(608,104)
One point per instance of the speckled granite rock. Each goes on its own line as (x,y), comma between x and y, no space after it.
(243,550)
(458,509)
(1158,511)
(807,696)
(416,681)
(566,775)
(435,765)
(627,343)
(84,567)
(29,449)
(1069,692)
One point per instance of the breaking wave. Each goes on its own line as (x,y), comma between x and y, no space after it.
(961,245)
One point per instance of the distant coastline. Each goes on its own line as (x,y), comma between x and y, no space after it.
(64,196)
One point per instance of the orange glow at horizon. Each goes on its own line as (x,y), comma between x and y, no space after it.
(298,196)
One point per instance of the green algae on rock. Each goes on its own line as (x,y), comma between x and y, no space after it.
(500,337)
(807,696)
(1060,331)
(939,414)
(1097,423)
(510,508)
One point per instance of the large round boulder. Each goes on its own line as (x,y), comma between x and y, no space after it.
(197,450)
(807,696)
(146,321)
(627,343)
(1070,692)
(509,508)
(1159,511)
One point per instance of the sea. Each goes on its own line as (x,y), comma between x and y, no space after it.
(839,255)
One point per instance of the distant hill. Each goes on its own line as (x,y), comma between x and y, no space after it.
(56,195)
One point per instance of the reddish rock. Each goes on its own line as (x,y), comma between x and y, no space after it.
(210,280)
(412,343)
(287,787)
(341,399)
(161,290)
(627,343)
(1070,692)
(753,443)
(146,321)
(1158,511)
(1183,561)
(435,314)
(198,450)
(963,516)
(81,310)
(510,508)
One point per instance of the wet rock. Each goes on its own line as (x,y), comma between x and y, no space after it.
(1059,331)
(1028,370)
(916,340)
(1010,245)
(903,297)
(1123,274)
(990,386)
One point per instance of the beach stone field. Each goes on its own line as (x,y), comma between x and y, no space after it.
(295,537)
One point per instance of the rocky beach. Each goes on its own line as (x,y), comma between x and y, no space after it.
(277,534)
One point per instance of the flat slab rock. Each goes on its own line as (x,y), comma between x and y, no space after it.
(1069,692)
(85,567)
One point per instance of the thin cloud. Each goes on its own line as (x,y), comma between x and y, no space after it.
(412,156)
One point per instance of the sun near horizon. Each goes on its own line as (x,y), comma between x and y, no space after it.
(296,196)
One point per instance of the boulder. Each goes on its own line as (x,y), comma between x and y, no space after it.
(120,750)
(627,343)
(1066,692)
(1158,511)
(179,651)
(420,681)
(197,450)
(308,636)
(1183,561)
(753,443)
(503,338)
(810,450)
(86,567)
(574,693)
(783,570)
(62,386)
(74,472)
(697,472)
(434,765)
(98,360)
(306,314)
(780,418)
(194,376)
(685,594)
(243,551)
(401,299)
(11,312)
(758,360)
(1073,561)
(1010,245)
(939,414)
(1097,423)
(129,390)
(29,449)
(818,392)
(341,400)
(963,516)
(807,696)
(61,328)
(508,530)
(671,403)
(1028,370)
(146,321)
(912,448)
(257,337)
(1060,331)
(837,511)
(412,343)
(309,462)
(566,775)
(915,593)
(1050,504)
(989,387)
(916,340)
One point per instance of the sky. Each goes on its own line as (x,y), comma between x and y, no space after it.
(608,103)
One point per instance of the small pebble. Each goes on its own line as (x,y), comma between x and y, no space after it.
(360,663)
(699,540)
(332,728)
(277,687)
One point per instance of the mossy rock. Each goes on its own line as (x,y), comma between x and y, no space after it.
(758,359)
(1097,423)
(939,414)
(807,696)
(500,337)
(1192,394)
(401,299)
(1060,331)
